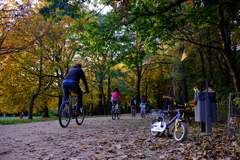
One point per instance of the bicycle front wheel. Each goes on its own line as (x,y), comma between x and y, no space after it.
(113,114)
(80,116)
(180,132)
(118,114)
(143,114)
(64,114)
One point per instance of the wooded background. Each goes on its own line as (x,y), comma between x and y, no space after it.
(136,46)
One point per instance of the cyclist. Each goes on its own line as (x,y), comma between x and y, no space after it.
(133,105)
(116,98)
(71,82)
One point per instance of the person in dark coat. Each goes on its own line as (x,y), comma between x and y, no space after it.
(71,82)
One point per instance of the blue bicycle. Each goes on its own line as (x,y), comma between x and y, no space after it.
(159,125)
(67,112)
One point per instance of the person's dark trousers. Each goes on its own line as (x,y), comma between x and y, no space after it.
(74,87)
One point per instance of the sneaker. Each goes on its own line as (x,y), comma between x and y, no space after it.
(78,111)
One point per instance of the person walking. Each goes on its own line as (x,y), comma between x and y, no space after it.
(143,104)
(71,83)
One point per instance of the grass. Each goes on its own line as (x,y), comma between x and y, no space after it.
(17,120)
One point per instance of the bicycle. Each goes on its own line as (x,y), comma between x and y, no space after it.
(159,125)
(133,112)
(143,111)
(67,111)
(116,111)
(186,109)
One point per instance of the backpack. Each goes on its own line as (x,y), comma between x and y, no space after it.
(132,102)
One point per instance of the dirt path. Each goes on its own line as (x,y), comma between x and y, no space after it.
(96,138)
(106,139)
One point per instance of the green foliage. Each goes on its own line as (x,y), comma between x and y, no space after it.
(17,121)
(237,100)
(60,8)
(136,42)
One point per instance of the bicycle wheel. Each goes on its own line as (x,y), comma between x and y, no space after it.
(143,114)
(113,114)
(64,114)
(154,133)
(180,133)
(118,114)
(80,117)
(133,113)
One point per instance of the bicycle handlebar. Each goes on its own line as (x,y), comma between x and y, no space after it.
(174,102)
(167,97)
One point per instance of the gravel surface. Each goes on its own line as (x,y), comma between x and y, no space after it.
(105,139)
(96,138)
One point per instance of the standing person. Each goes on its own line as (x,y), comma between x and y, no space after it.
(21,115)
(116,97)
(143,103)
(133,106)
(71,82)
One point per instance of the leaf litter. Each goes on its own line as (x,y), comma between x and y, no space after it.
(105,139)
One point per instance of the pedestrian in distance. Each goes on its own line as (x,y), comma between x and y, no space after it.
(133,106)
(21,115)
(143,104)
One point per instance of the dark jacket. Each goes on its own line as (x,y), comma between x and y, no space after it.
(76,73)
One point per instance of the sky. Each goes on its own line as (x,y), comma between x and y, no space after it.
(102,8)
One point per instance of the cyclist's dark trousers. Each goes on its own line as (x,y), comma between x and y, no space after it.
(116,101)
(73,86)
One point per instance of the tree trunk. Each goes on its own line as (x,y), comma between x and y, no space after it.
(233,71)
(109,104)
(139,71)
(45,112)
(100,99)
(30,110)
(37,90)
(202,64)
(226,45)
(184,85)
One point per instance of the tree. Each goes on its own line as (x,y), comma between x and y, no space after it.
(44,63)
(11,15)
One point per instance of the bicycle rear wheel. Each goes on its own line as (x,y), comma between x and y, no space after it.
(143,114)
(80,117)
(180,133)
(113,114)
(64,114)
(133,113)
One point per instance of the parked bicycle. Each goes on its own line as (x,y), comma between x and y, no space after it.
(159,125)
(67,111)
(116,111)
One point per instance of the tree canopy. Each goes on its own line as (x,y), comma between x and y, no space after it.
(136,46)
